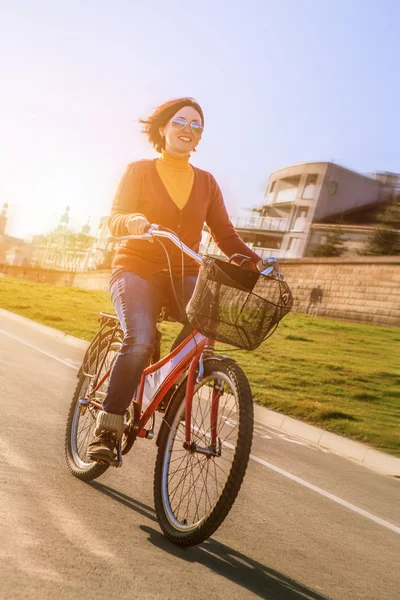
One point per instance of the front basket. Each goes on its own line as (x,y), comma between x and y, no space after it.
(237,306)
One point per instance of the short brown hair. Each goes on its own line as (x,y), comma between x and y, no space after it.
(162,115)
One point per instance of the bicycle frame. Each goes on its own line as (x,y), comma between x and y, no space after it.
(167,371)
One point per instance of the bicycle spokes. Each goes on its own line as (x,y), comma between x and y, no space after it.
(198,471)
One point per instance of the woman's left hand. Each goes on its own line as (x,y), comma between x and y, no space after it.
(266,265)
(260,265)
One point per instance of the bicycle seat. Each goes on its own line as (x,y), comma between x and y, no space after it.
(107,319)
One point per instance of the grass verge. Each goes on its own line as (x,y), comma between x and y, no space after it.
(342,377)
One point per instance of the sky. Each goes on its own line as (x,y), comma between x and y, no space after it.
(280,82)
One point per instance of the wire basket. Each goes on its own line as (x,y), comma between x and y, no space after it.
(237,306)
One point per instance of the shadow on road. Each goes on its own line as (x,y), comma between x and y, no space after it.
(143,509)
(238,568)
(223,560)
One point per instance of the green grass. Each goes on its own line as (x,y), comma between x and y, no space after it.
(343,377)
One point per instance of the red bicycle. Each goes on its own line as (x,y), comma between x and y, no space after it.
(205,436)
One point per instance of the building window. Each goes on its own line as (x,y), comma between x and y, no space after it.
(302,212)
(309,188)
(299,218)
(287,189)
(293,245)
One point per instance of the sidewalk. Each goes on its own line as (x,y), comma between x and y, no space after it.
(361,453)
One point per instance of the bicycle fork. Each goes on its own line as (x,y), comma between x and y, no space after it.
(214,449)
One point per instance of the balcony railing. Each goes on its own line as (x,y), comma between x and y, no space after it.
(260,223)
(278,253)
(213,250)
(268,252)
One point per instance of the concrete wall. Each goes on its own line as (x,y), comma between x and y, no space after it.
(363,289)
(351,191)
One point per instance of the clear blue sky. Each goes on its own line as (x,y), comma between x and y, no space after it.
(280,82)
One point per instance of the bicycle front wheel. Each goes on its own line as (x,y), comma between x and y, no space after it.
(195,487)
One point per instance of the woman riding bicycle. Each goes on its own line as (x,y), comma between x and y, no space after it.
(180,197)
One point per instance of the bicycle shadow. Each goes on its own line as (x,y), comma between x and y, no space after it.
(223,560)
(132,503)
(237,567)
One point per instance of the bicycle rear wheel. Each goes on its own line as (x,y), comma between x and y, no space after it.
(195,488)
(82,419)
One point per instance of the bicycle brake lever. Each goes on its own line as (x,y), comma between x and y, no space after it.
(267,271)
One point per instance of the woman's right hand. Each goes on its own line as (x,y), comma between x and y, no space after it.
(137,224)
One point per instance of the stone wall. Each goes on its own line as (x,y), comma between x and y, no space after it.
(90,280)
(364,289)
(95,280)
(40,275)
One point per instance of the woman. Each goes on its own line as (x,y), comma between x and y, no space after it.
(171,192)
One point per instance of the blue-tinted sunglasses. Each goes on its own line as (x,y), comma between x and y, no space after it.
(179,124)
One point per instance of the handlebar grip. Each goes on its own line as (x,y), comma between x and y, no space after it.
(149,228)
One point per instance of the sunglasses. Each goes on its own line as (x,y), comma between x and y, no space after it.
(179,124)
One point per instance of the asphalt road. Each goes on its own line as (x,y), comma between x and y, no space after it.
(307,524)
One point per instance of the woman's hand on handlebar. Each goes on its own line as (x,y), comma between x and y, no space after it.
(267,266)
(137,224)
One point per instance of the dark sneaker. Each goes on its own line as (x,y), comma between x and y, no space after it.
(103,447)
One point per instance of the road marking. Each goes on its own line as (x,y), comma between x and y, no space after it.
(73,362)
(261,461)
(292,441)
(322,492)
(64,362)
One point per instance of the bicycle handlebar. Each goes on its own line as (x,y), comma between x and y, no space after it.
(154,231)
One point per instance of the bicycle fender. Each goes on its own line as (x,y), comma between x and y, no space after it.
(166,420)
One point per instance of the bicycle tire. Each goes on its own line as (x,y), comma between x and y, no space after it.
(186,534)
(75,458)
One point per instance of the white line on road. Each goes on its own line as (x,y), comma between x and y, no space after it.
(332,497)
(298,480)
(64,362)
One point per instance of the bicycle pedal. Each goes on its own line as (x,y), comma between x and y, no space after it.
(117,460)
(102,462)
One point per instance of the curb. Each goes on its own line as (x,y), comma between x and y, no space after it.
(49,331)
(356,451)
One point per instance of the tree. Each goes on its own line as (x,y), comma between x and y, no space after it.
(385,241)
(334,244)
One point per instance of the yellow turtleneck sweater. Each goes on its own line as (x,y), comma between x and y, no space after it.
(177,175)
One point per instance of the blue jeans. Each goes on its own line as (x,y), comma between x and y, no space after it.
(137,303)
